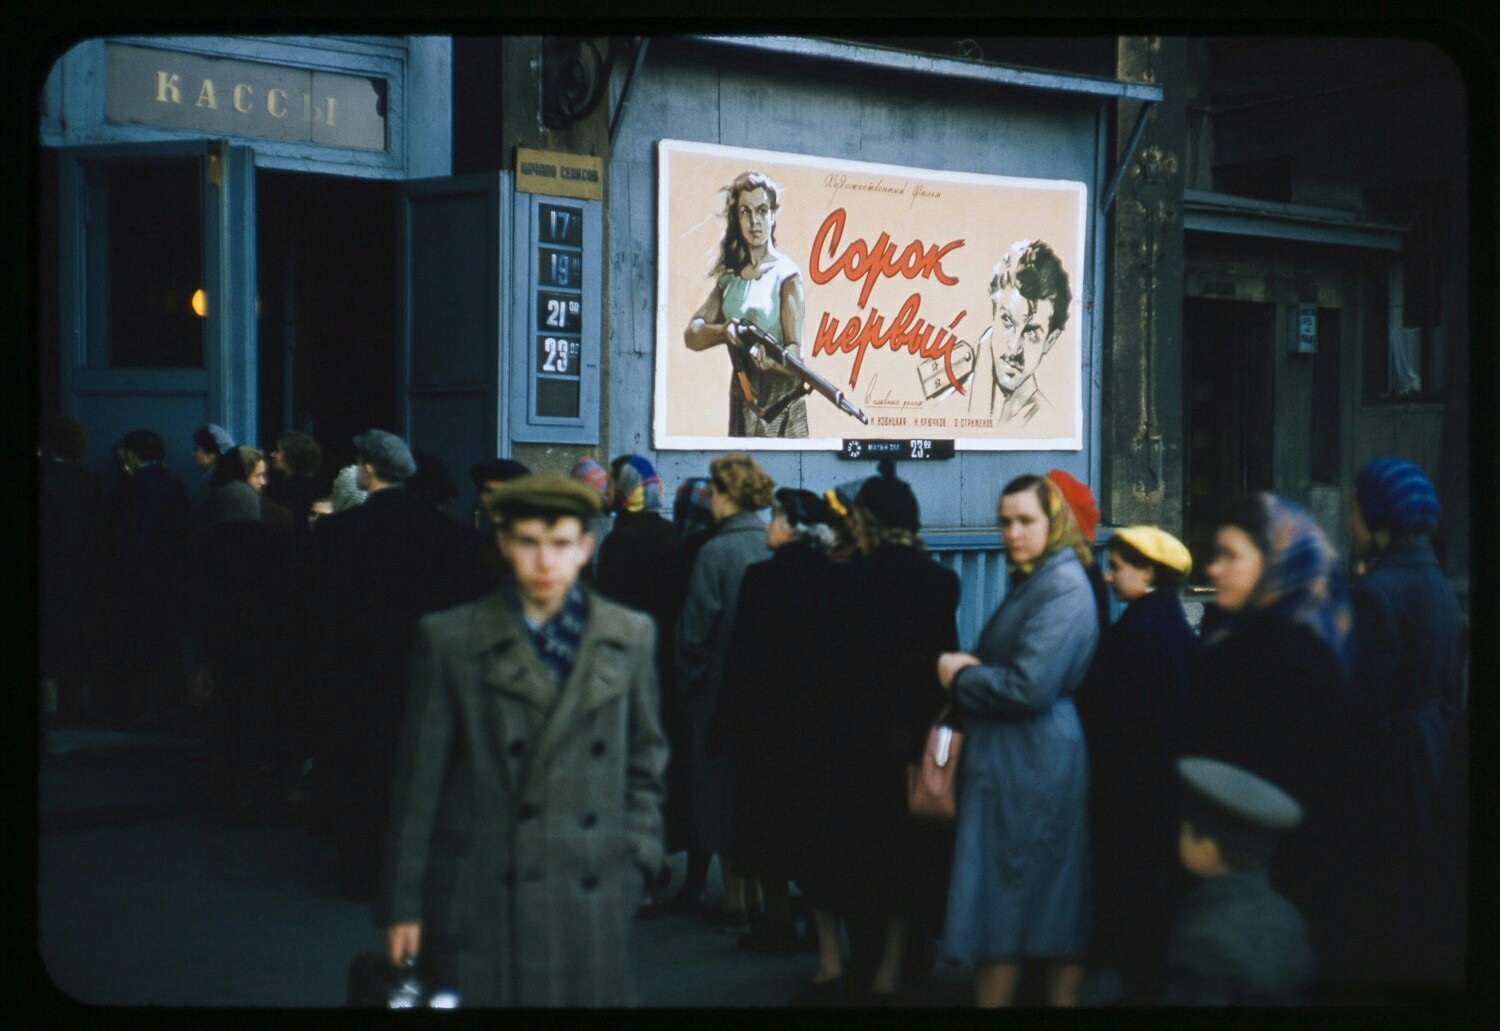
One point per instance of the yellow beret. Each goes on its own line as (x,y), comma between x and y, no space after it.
(1158,546)
(548,491)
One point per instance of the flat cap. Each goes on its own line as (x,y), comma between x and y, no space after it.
(1159,546)
(1234,806)
(546,492)
(388,453)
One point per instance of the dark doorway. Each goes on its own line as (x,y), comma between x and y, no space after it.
(327,325)
(1229,349)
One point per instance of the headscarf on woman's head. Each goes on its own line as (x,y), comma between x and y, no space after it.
(637,487)
(1080,500)
(592,473)
(888,508)
(346,492)
(1062,527)
(1396,496)
(691,510)
(1301,577)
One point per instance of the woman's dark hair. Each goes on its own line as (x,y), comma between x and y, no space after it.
(1167,578)
(734,253)
(205,441)
(230,467)
(302,454)
(1249,513)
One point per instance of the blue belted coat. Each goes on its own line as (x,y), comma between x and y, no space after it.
(1020,882)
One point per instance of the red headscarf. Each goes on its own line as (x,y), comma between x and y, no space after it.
(1080,499)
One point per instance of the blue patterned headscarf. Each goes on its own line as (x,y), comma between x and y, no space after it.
(1302,579)
(1397,496)
(637,487)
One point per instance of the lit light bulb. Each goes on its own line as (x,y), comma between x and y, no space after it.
(200,302)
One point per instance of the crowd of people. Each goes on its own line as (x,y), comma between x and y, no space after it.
(1267,809)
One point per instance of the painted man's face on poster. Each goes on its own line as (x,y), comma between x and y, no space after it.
(885,283)
(1021,337)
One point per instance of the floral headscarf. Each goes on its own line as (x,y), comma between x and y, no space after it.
(1302,579)
(637,487)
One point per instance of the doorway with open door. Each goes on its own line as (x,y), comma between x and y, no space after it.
(1229,352)
(326,303)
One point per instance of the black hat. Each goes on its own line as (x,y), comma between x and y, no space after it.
(890,500)
(1236,808)
(502,469)
(803,507)
(388,453)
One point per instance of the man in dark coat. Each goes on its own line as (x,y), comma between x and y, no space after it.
(1238,942)
(146,606)
(1409,667)
(526,821)
(377,568)
(70,560)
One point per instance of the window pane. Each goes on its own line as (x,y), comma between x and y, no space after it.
(146,261)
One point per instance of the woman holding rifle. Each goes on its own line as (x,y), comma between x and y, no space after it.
(755,283)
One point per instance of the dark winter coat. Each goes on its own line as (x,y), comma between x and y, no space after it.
(898,615)
(1131,705)
(1021,859)
(776,682)
(526,816)
(1408,667)
(703,634)
(642,566)
(1269,697)
(377,568)
(146,608)
(1238,943)
(72,516)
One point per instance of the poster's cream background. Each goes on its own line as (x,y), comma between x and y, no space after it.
(988,213)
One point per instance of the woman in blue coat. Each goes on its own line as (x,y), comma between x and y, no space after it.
(1020,882)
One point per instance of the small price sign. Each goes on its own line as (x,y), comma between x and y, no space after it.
(557,356)
(915,450)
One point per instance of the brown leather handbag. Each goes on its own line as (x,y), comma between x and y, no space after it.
(930,787)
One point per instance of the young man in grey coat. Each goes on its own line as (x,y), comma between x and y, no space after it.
(526,819)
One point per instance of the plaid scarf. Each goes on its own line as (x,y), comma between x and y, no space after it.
(556,641)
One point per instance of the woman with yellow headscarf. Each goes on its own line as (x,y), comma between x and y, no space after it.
(1020,880)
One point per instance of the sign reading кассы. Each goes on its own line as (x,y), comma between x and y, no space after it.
(941,305)
(218,96)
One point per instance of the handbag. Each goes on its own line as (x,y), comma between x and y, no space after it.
(930,787)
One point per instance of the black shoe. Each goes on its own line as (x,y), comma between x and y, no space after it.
(770,938)
(821,993)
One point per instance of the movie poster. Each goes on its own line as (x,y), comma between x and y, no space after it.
(802,301)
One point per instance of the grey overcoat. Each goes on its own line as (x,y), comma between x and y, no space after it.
(703,634)
(525,817)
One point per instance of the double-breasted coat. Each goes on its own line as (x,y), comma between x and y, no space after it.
(703,635)
(526,816)
(1021,856)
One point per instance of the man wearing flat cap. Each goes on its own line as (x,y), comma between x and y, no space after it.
(1408,655)
(376,568)
(1237,942)
(526,821)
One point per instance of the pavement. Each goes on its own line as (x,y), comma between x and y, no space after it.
(147,897)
